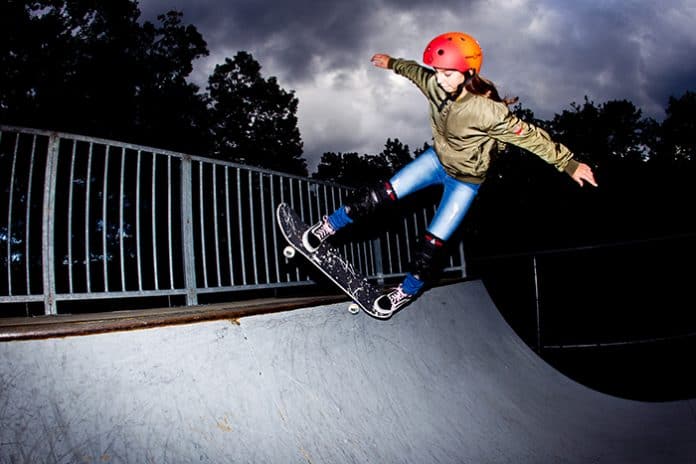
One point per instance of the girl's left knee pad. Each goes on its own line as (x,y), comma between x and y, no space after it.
(366,201)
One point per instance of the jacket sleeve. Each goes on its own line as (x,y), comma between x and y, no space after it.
(508,128)
(413,71)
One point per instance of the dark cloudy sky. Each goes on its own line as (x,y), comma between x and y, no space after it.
(549,53)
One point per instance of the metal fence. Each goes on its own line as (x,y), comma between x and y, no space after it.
(83,218)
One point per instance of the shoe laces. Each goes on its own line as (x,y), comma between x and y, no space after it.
(324,230)
(398,295)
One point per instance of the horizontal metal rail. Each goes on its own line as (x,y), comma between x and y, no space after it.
(633,313)
(84,218)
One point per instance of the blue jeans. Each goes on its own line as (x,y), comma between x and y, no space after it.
(426,170)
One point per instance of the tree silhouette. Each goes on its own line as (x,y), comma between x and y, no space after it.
(679,129)
(363,170)
(394,156)
(254,120)
(91,68)
(349,169)
(612,130)
(170,111)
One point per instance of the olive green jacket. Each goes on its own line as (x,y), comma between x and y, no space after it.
(467,130)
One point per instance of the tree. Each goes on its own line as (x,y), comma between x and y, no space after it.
(36,58)
(363,170)
(672,167)
(330,167)
(91,68)
(170,111)
(349,169)
(612,130)
(394,156)
(254,120)
(679,129)
(625,130)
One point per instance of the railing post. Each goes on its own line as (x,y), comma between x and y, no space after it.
(462,259)
(48,220)
(537,303)
(379,266)
(187,232)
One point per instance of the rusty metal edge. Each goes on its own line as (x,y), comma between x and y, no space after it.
(44,327)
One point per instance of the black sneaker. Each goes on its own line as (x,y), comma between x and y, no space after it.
(317,234)
(391,302)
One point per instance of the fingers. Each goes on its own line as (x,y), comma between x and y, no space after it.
(589,177)
(584,174)
(380,60)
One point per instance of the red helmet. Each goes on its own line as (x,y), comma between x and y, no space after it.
(454,50)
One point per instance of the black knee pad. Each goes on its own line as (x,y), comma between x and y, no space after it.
(426,263)
(365,201)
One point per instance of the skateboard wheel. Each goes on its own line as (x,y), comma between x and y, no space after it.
(289,252)
(353,308)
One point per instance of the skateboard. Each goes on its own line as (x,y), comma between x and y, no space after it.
(330,262)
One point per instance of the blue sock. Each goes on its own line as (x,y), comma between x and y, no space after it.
(411,284)
(339,218)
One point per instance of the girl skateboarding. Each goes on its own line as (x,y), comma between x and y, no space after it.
(468,118)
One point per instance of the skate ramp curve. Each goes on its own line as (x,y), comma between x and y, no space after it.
(446,380)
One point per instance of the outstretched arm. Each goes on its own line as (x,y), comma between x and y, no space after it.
(503,125)
(411,70)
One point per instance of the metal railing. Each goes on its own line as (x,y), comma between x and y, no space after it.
(603,295)
(83,218)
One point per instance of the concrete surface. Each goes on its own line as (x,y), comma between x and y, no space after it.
(444,381)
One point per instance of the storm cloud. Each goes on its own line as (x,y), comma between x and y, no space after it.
(548,53)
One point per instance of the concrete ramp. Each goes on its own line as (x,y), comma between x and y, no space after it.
(444,381)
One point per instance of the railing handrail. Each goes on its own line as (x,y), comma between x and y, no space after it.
(162,151)
(579,248)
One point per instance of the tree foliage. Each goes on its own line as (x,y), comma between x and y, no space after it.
(679,129)
(616,129)
(91,68)
(94,68)
(254,119)
(363,170)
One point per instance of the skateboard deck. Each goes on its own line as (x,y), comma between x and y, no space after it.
(330,262)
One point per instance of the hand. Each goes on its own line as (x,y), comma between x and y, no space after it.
(583,173)
(381,60)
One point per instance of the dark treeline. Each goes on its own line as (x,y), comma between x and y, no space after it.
(95,68)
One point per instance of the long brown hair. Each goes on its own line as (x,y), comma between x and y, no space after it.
(482,86)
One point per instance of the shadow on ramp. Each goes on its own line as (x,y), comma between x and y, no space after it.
(446,380)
